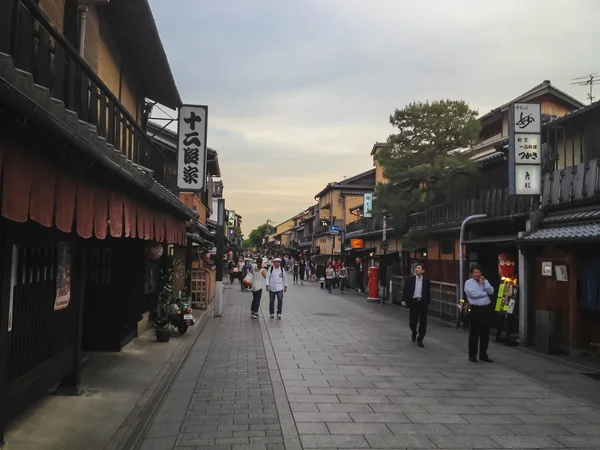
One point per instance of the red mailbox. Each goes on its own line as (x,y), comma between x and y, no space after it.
(373,284)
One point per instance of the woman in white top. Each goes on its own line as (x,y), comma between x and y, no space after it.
(329,277)
(258,280)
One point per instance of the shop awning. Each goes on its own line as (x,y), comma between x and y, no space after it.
(503,239)
(574,233)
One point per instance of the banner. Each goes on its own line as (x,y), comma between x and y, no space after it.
(368,205)
(63,276)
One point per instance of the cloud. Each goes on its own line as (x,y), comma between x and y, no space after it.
(299,91)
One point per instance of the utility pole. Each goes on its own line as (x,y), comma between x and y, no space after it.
(218,310)
(384,245)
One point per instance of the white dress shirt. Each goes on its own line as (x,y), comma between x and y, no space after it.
(276,279)
(418,287)
(478,294)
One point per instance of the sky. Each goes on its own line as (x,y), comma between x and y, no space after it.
(299,90)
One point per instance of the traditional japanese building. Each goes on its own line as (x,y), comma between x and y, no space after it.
(84,205)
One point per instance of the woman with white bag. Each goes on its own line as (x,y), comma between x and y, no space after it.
(258,280)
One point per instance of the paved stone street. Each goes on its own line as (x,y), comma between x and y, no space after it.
(337,372)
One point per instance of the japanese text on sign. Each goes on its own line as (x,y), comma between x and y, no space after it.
(527,148)
(191,162)
(527,117)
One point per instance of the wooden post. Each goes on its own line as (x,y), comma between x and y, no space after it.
(6,255)
(71,383)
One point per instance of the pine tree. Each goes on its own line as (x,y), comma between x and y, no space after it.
(428,159)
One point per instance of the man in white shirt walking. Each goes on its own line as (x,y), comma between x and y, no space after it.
(478,291)
(276,284)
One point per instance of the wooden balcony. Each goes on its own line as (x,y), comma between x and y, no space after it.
(495,203)
(37,48)
(572,184)
(305,240)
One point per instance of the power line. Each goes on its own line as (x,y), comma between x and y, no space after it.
(587,80)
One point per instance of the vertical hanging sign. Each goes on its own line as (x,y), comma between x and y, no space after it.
(191,148)
(525,144)
(368,205)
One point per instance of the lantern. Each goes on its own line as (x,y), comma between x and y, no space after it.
(154,251)
(207,256)
(506,266)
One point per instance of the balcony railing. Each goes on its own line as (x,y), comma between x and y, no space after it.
(496,203)
(321,230)
(572,184)
(368,225)
(305,240)
(36,47)
(358,225)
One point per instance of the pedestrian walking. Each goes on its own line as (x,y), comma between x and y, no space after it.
(276,282)
(343,274)
(478,291)
(258,280)
(416,295)
(296,270)
(301,271)
(329,277)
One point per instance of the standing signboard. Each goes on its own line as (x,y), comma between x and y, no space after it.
(525,145)
(191,148)
(231,219)
(368,205)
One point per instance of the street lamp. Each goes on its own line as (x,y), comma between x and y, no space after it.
(460,252)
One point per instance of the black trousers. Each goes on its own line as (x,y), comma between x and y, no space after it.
(256,295)
(418,319)
(479,335)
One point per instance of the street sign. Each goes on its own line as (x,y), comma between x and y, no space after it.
(525,149)
(334,229)
(191,147)
(368,205)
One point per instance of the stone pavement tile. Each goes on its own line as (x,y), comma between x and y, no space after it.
(371,399)
(567,410)
(458,401)
(419,428)
(450,409)
(538,430)
(501,409)
(333,441)
(560,401)
(414,400)
(396,408)
(499,419)
(308,383)
(322,417)
(592,441)
(526,442)
(345,407)
(379,418)
(544,419)
(351,384)
(358,428)
(162,443)
(580,429)
(385,391)
(166,429)
(399,441)
(312,428)
(302,398)
(425,392)
(479,430)
(435,418)
(463,442)
(305,407)
(333,391)
(586,419)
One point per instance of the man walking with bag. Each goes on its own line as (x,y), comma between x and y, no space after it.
(276,283)
(417,295)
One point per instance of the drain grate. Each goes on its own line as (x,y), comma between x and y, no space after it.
(595,376)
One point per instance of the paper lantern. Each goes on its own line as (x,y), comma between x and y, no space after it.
(154,251)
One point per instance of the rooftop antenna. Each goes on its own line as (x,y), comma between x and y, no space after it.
(587,80)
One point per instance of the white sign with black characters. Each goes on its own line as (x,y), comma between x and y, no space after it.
(528,179)
(191,148)
(527,118)
(525,156)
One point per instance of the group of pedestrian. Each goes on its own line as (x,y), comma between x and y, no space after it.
(302,270)
(336,275)
(274,280)
(416,296)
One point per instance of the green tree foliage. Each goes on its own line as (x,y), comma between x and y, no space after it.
(427,159)
(256,236)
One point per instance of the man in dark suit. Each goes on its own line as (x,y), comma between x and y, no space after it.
(416,295)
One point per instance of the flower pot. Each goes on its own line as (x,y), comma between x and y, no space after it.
(163,335)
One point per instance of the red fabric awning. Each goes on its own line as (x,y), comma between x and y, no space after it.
(37,190)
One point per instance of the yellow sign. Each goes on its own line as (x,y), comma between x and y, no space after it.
(357,243)
(323,214)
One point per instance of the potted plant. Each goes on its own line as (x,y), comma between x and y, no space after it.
(166,299)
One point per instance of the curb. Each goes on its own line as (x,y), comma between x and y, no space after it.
(139,425)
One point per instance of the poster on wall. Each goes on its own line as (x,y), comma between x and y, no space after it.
(63,275)
(561,273)
(547,269)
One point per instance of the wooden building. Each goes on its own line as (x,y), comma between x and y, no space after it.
(83,202)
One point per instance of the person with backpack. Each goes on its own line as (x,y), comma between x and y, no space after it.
(276,283)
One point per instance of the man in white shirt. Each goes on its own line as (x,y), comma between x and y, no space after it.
(478,291)
(276,284)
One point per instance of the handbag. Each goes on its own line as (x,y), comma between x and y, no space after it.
(248,280)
